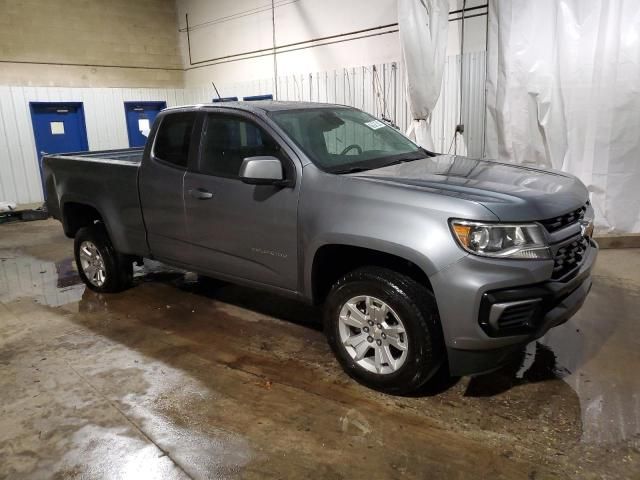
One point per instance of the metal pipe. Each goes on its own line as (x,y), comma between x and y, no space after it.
(98,65)
(294,44)
(186,17)
(455,135)
(468,17)
(290,50)
(464,9)
(286,48)
(394,69)
(486,69)
(275,60)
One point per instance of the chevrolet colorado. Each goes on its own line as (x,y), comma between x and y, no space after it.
(421,260)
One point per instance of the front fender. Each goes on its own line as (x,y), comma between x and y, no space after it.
(408,223)
(370,243)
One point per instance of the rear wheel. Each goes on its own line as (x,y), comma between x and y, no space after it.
(384,329)
(100,267)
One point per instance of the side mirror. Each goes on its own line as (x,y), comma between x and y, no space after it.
(265,170)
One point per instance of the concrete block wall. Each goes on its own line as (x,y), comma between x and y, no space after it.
(89,43)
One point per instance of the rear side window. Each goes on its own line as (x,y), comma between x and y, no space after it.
(229,140)
(174,138)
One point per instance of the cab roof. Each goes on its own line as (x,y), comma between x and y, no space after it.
(261,105)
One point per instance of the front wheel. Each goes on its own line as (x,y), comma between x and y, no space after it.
(384,329)
(100,267)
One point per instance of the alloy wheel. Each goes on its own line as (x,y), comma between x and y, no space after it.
(373,334)
(92,264)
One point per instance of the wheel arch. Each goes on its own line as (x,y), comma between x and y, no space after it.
(78,213)
(331,260)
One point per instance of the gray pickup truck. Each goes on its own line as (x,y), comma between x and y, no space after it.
(422,261)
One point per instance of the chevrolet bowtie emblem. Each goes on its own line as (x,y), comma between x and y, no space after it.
(586,228)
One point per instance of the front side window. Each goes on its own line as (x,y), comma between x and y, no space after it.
(229,140)
(174,138)
(339,139)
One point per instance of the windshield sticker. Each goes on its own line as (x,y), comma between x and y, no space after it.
(374,124)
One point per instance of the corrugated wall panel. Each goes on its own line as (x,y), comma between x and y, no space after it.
(380,90)
(104,118)
(377,89)
(8,178)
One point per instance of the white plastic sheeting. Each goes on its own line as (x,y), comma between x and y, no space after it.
(423,26)
(563,91)
(7,206)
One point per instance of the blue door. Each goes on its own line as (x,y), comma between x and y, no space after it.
(140,117)
(58,128)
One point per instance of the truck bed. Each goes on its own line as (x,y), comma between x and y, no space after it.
(123,155)
(106,180)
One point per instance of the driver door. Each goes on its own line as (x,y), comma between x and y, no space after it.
(235,229)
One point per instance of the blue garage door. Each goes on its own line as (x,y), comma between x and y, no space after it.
(140,117)
(58,128)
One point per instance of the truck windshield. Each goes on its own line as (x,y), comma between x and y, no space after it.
(343,140)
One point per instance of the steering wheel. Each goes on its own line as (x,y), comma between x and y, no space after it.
(351,147)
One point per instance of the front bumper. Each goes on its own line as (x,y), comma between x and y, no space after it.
(474,293)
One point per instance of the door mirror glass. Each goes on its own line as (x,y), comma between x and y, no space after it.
(265,170)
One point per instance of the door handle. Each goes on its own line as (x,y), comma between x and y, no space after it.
(200,193)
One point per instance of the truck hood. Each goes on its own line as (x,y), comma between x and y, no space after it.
(512,192)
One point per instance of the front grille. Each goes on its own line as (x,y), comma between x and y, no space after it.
(556,223)
(569,258)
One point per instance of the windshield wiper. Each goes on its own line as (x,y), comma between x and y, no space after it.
(351,170)
(356,169)
(403,160)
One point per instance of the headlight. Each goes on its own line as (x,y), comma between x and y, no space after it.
(526,241)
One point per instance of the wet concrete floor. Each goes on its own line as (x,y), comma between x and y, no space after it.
(186,378)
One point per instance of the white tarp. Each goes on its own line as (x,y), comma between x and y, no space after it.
(563,91)
(423,26)
(7,206)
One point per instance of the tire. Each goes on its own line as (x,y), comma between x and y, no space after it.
(117,268)
(409,307)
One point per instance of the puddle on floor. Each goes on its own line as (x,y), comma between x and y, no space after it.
(167,406)
(55,284)
(49,283)
(596,353)
(115,455)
